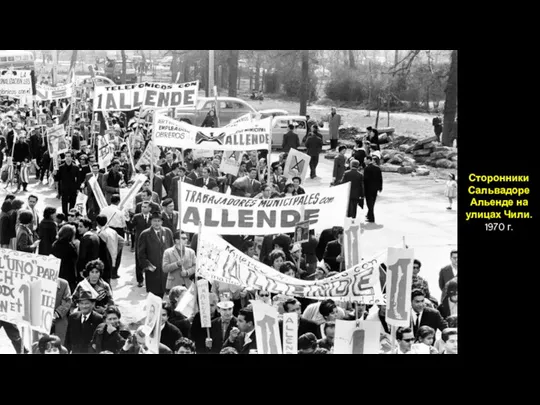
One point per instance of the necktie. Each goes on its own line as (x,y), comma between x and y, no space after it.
(84,318)
(159,235)
(417,321)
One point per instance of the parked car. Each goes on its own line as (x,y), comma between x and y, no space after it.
(280,126)
(272,112)
(98,80)
(229,109)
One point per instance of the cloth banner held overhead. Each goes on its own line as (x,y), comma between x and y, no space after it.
(18,303)
(204,303)
(105,151)
(146,157)
(290,333)
(98,193)
(232,215)
(127,196)
(80,203)
(126,97)
(153,322)
(15,83)
(266,328)
(398,286)
(296,165)
(230,165)
(351,242)
(248,135)
(44,92)
(353,339)
(220,261)
(243,118)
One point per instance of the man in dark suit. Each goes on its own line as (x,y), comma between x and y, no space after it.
(167,180)
(243,338)
(373,183)
(206,181)
(151,245)
(140,222)
(146,197)
(169,333)
(333,252)
(304,325)
(68,183)
(92,204)
(314,146)
(111,181)
(167,166)
(89,247)
(157,186)
(173,191)
(146,186)
(278,179)
(196,172)
(356,195)
(221,327)
(82,324)
(169,215)
(339,165)
(290,140)
(447,273)
(422,315)
(326,236)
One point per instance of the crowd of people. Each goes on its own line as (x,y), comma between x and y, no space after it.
(90,244)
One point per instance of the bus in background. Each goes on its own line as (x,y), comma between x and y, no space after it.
(17,60)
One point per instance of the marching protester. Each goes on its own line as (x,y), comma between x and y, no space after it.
(373,184)
(356,193)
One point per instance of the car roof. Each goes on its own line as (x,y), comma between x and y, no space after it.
(223,99)
(291,117)
(273,110)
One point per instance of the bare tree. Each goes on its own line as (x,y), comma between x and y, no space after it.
(304,87)
(124,66)
(450,102)
(233,72)
(352,64)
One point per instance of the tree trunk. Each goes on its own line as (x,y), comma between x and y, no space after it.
(175,68)
(388,110)
(352,65)
(304,87)
(396,58)
(250,80)
(187,67)
(124,67)
(427,99)
(378,110)
(258,73)
(450,103)
(234,77)
(239,77)
(369,88)
(73,62)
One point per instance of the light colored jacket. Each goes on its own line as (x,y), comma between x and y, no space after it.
(333,125)
(113,241)
(171,257)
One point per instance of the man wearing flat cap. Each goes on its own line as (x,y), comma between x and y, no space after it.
(151,246)
(221,327)
(82,324)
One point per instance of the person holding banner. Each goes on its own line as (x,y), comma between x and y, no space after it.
(94,280)
(151,247)
(242,337)
(221,327)
(179,263)
(111,181)
(110,335)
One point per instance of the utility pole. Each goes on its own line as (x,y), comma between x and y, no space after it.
(210,71)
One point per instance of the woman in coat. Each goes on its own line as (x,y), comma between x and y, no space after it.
(179,262)
(25,237)
(93,276)
(64,249)
(110,335)
(47,231)
(4,224)
(16,205)
(209,120)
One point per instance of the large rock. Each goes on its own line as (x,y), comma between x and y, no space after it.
(422,152)
(438,155)
(429,145)
(404,147)
(454,165)
(450,155)
(454,158)
(383,138)
(444,163)
(421,159)
(396,159)
(388,168)
(405,170)
(420,144)
(422,171)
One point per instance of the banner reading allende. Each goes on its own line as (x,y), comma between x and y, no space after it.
(127,97)
(17,271)
(219,260)
(244,135)
(231,215)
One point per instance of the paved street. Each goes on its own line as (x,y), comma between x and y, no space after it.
(413,207)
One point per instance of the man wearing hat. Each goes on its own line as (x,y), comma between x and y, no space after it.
(356,195)
(82,324)
(221,327)
(151,246)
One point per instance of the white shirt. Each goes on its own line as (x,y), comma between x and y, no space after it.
(84,318)
(454,270)
(414,316)
(248,339)
(453,307)
(118,220)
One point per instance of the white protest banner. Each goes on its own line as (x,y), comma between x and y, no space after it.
(398,286)
(44,92)
(290,333)
(16,83)
(266,328)
(187,305)
(204,303)
(80,203)
(127,196)
(218,260)
(153,322)
(146,157)
(232,215)
(351,242)
(230,165)
(202,153)
(56,136)
(248,135)
(85,285)
(243,118)
(98,193)
(296,165)
(17,271)
(105,151)
(353,339)
(126,97)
